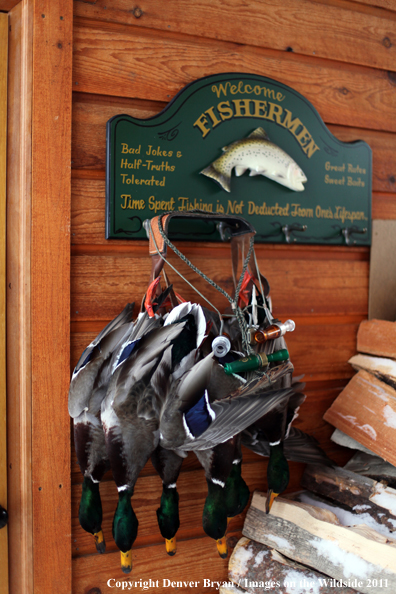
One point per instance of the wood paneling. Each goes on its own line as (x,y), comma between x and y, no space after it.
(3,402)
(19,402)
(50,303)
(196,559)
(336,32)
(388,4)
(7,5)
(102,285)
(384,206)
(133,59)
(105,62)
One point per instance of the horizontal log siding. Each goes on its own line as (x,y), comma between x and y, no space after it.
(133,59)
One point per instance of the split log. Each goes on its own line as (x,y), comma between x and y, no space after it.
(366,514)
(357,492)
(374,467)
(366,411)
(383,369)
(377,337)
(359,562)
(257,568)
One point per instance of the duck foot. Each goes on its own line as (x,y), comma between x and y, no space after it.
(126,561)
(222,547)
(170,545)
(100,542)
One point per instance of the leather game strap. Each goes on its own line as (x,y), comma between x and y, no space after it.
(236,226)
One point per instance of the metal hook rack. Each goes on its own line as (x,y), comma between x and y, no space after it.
(348,232)
(289,231)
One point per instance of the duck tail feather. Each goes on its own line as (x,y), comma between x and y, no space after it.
(301,447)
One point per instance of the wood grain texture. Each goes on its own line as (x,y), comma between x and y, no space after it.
(105,62)
(377,337)
(251,561)
(383,145)
(351,490)
(365,410)
(384,207)
(50,277)
(18,247)
(101,285)
(387,4)
(320,545)
(3,401)
(196,559)
(7,5)
(131,62)
(363,38)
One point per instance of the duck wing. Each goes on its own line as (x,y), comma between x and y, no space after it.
(233,415)
(297,447)
(125,317)
(207,407)
(91,371)
(133,374)
(301,447)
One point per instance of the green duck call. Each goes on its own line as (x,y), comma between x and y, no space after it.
(255,361)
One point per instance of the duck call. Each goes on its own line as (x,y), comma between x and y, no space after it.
(271,332)
(255,362)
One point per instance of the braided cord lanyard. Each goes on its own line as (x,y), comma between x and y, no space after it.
(234,302)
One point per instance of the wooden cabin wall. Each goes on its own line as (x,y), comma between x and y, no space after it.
(133,58)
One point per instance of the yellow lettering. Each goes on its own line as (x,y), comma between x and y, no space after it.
(260,108)
(303,136)
(213,117)
(310,149)
(242,104)
(201,124)
(275,111)
(225,110)
(290,124)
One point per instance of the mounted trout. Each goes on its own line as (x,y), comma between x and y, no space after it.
(262,157)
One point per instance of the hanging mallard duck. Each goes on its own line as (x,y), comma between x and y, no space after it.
(182,377)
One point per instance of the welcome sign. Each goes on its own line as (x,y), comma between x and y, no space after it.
(179,159)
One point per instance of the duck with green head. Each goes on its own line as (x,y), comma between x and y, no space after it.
(130,417)
(205,410)
(87,389)
(168,465)
(296,446)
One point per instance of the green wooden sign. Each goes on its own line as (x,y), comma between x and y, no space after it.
(239,144)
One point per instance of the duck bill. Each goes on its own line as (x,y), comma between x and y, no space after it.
(170,545)
(271,496)
(126,561)
(100,542)
(222,547)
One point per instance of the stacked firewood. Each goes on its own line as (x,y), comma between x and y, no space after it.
(339,535)
(365,411)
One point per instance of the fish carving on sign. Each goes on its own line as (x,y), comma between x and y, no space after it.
(262,157)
